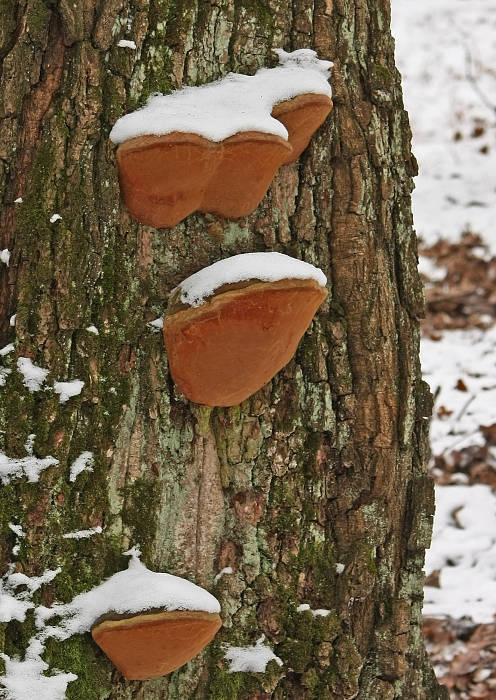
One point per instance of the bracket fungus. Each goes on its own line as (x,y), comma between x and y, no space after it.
(216,148)
(148,623)
(155,622)
(230,327)
(149,645)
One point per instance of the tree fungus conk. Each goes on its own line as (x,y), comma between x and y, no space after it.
(216,148)
(230,327)
(151,645)
(148,623)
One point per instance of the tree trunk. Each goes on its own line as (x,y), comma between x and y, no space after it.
(324,465)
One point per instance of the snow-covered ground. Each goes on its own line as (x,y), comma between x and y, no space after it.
(446,52)
(465,524)
(461,371)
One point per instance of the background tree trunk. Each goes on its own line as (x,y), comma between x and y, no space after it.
(324,465)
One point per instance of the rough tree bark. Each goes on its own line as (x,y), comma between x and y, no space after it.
(324,465)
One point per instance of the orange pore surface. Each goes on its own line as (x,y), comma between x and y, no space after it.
(223,351)
(165,178)
(152,645)
(302,116)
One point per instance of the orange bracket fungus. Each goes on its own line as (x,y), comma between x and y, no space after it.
(231,326)
(147,623)
(150,645)
(216,148)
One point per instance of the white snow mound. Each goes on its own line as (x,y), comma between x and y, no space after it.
(463,550)
(68,389)
(26,679)
(33,376)
(83,463)
(234,104)
(252,659)
(266,267)
(17,467)
(134,590)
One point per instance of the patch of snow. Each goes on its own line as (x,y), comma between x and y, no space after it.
(253,659)
(127,43)
(33,376)
(459,478)
(17,530)
(83,463)
(429,269)
(11,606)
(157,324)
(29,444)
(12,320)
(19,533)
(5,256)
(303,607)
(340,568)
(83,534)
(68,389)
(15,467)
(222,572)
(32,583)
(234,104)
(464,551)
(26,679)
(54,218)
(92,329)
(468,355)
(266,267)
(134,590)
(4,373)
(18,200)
(319,612)
(446,51)
(481,674)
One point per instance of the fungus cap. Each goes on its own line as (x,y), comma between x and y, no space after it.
(223,348)
(302,116)
(216,148)
(163,179)
(147,622)
(151,644)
